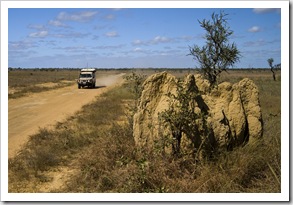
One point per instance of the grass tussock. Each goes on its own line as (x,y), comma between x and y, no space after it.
(98,142)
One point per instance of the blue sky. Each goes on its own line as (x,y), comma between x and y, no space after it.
(134,37)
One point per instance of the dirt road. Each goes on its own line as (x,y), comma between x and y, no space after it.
(27,114)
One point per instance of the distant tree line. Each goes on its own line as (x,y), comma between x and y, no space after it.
(276,67)
(42,69)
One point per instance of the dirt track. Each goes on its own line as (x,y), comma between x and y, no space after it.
(27,114)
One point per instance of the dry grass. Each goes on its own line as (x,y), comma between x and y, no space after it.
(99,141)
(72,139)
(24,81)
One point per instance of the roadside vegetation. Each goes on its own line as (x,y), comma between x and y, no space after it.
(22,82)
(97,146)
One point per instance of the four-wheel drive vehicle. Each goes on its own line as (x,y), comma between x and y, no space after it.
(87,77)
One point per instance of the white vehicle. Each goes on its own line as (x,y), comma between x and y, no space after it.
(87,77)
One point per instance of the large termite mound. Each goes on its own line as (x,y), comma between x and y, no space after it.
(229,115)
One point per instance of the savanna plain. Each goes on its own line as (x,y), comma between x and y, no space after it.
(93,149)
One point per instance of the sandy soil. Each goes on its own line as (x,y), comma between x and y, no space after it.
(27,114)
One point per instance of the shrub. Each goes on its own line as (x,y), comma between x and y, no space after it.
(217,55)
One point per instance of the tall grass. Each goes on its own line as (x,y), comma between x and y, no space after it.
(98,143)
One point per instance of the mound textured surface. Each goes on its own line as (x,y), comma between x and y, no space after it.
(229,115)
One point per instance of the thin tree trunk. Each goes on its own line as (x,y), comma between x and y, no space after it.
(274,77)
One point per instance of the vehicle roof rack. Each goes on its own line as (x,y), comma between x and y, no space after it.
(88,70)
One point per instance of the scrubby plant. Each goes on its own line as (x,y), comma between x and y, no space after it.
(180,116)
(218,54)
(134,83)
(183,119)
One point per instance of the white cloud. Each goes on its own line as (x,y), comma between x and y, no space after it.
(137,42)
(163,39)
(57,23)
(48,43)
(74,49)
(186,38)
(77,16)
(110,17)
(254,29)
(20,45)
(266,10)
(36,26)
(109,46)
(40,34)
(257,43)
(155,40)
(160,39)
(70,35)
(137,50)
(261,42)
(112,34)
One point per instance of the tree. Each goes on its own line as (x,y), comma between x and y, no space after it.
(270,61)
(218,54)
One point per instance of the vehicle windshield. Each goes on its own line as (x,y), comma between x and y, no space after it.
(85,75)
